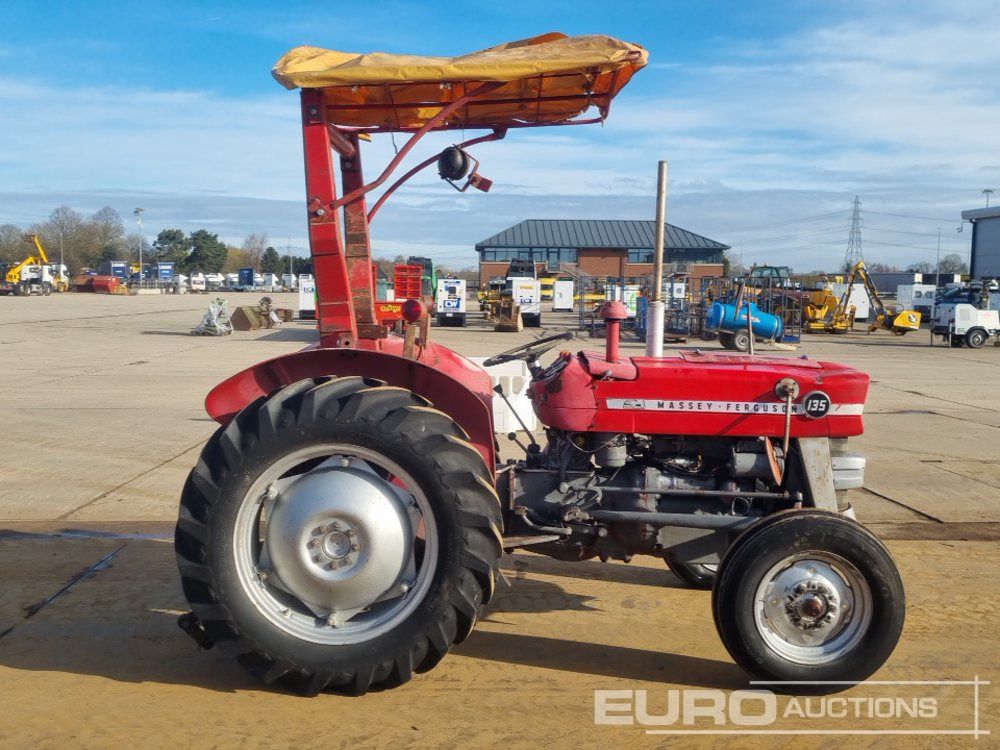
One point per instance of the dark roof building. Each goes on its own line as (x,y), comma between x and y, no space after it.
(597,247)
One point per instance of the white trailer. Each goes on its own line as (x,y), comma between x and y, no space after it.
(450,303)
(270,283)
(966,324)
(916,297)
(562,295)
(527,295)
(307,297)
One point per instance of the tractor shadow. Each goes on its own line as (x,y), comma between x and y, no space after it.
(602,660)
(119,621)
(293,332)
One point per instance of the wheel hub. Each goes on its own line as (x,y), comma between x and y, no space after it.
(338,538)
(811,606)
(806,608)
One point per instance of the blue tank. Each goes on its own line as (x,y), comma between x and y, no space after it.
(723,317)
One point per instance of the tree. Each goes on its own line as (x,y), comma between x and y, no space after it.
(297,264)
(921,267)
(107,230)
(235,260)
(254,246)
(12,246)
(208,254)
(172,246)
(953,263)
(270,262)
(131,248)
(731,265)
(879,268)
(66,228)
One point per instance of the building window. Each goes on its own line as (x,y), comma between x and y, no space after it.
(640,256)
(549,255)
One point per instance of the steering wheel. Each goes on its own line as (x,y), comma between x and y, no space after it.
(530,350)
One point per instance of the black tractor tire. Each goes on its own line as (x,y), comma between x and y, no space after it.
(46,289)
(390,437)
(24,289)
(699,576)
(741,341)
(793,575)
(726,339)
(975,338)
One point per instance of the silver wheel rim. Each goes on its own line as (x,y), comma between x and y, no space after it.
(813,608)
(386,540)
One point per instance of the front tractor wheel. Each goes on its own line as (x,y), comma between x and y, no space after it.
(809,599)
(339,534)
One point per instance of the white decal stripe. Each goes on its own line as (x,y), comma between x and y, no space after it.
(763,408)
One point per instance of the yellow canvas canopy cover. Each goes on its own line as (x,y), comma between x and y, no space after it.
(545,79)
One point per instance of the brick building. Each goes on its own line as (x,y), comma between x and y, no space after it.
(598,248)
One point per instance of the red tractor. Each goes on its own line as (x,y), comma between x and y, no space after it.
(344,526)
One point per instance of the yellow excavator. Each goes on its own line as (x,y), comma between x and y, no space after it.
(841,320)
(889,318)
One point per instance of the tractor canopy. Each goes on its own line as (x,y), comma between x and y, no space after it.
(544,80)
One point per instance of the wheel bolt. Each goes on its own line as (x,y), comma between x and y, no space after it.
(355,547)
(352,532)
(335,525)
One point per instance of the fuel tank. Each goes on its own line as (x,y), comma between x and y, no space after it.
(696,393)
(723,316)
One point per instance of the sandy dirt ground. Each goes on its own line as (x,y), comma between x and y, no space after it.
(103,419)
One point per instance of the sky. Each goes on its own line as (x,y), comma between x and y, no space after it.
(772,115)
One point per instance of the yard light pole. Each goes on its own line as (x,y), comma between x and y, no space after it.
(988,192)
(138,220)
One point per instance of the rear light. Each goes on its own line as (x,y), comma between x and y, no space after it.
(413,310)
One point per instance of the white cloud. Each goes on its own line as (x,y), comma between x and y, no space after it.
(899,105)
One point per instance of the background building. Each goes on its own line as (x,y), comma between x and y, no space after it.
(600,248)
(985,257)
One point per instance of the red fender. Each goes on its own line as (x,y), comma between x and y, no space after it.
(453,384)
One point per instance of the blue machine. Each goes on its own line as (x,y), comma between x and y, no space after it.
(732,324)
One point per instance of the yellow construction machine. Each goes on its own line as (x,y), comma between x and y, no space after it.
(889,318)
(33,275)
(823,311)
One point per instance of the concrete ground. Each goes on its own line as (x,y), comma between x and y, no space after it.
(102,419)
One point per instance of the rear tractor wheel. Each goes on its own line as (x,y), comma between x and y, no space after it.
(339,534)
